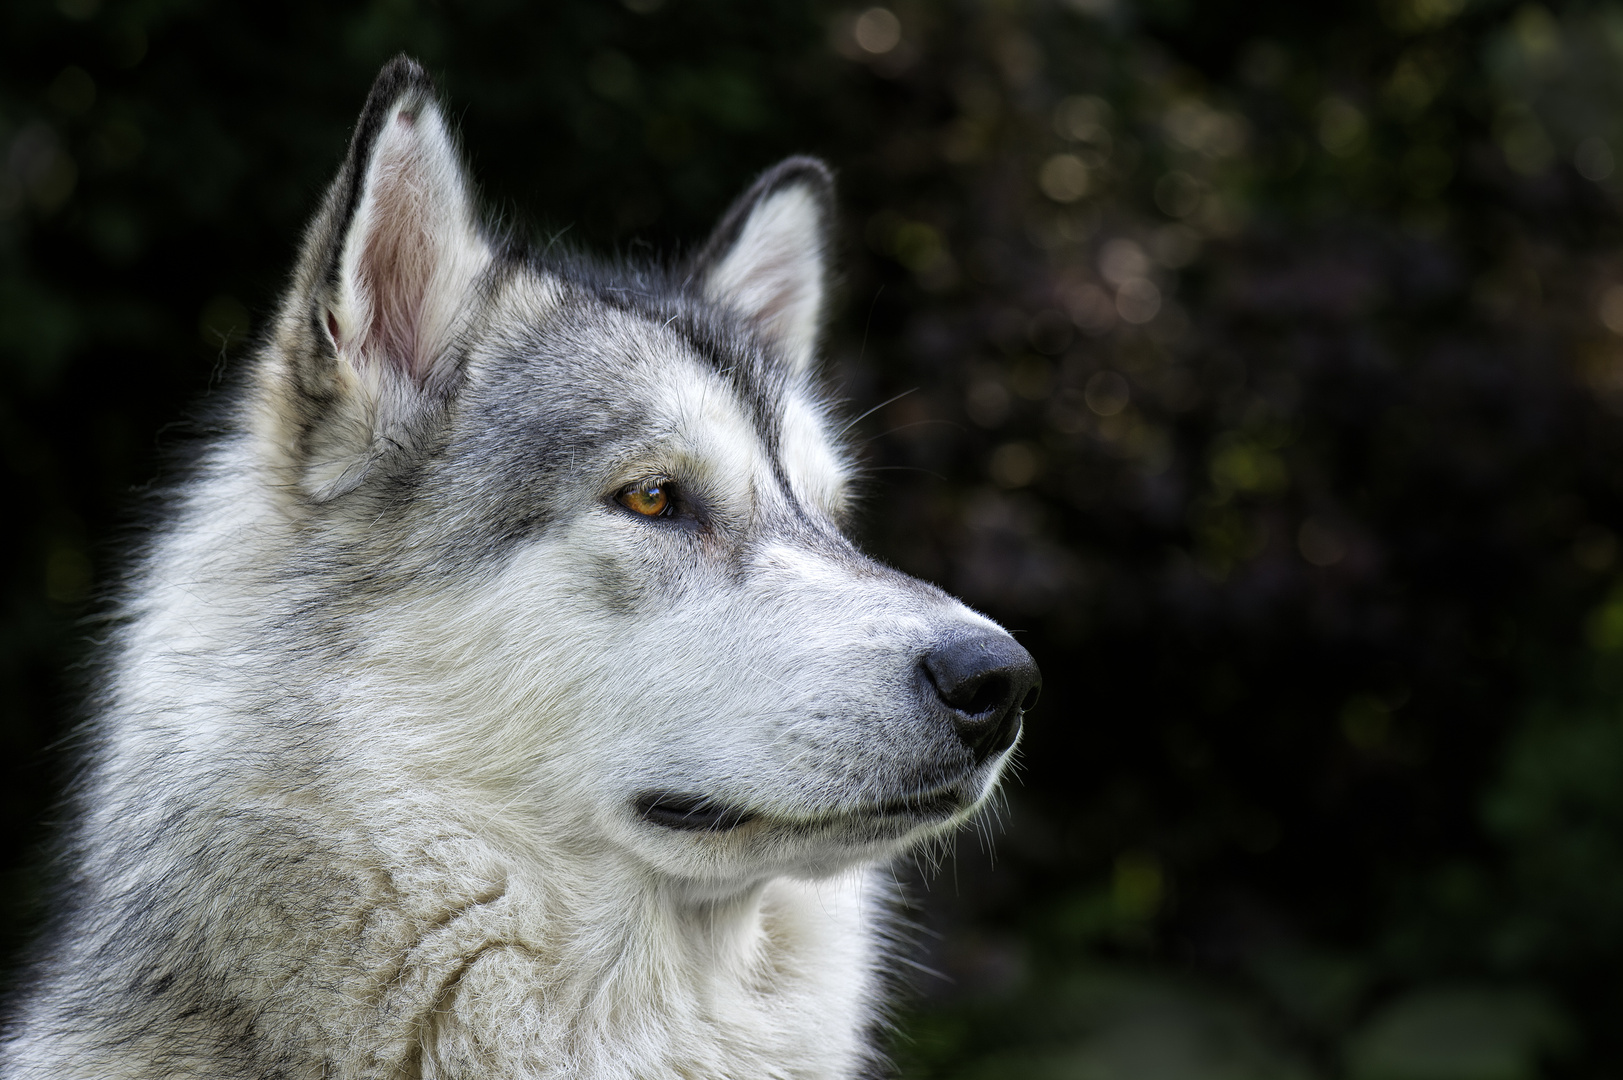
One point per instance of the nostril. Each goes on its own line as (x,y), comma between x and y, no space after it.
(986,682)
(986,694)
(1029,702)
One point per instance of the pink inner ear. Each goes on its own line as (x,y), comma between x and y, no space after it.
(396,264)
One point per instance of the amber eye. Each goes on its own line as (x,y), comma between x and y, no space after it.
(651,498)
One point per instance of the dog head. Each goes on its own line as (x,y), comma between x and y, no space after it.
(583,526)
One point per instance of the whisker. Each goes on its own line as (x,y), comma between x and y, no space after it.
(876,408)
(905,468)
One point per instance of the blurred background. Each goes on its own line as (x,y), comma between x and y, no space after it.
(1260,363)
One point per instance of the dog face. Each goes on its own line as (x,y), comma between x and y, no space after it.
(605,508)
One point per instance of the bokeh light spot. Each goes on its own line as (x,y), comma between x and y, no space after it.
(1319,544)
(1107,393)
(1343,129)
(1138,885)
(1593,160)
(1175,246)
(1082,118)
(1366,721)
(1418,16)
(1121,260)
(1178,194)
(73,91)
(1063,178)
(1610,308)
(987,403)
(612,75)
(1049,332)
(1523,141)
(1014,465)
(877,31)
(1090,308)
(1595,548)
(1195,125)
(1138,300)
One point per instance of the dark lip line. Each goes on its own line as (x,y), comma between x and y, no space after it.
(687,812)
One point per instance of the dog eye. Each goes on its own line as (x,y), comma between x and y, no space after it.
(650,498)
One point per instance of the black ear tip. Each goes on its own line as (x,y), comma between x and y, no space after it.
(401,84)
(403,65)
(798,171)
(400,77)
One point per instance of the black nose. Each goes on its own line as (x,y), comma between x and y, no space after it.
(986,682)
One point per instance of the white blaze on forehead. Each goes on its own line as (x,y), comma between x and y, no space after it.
(817,473)
(717,435)
(715,432)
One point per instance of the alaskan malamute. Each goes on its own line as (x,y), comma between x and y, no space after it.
(503,698)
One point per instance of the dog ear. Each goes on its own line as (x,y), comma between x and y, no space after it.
(388,272)
(769,258)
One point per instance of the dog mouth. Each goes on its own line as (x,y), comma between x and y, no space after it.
(688,812)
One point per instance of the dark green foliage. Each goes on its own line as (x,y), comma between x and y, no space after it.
(1260,363)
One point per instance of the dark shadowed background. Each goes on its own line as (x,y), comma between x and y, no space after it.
(1258,362)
